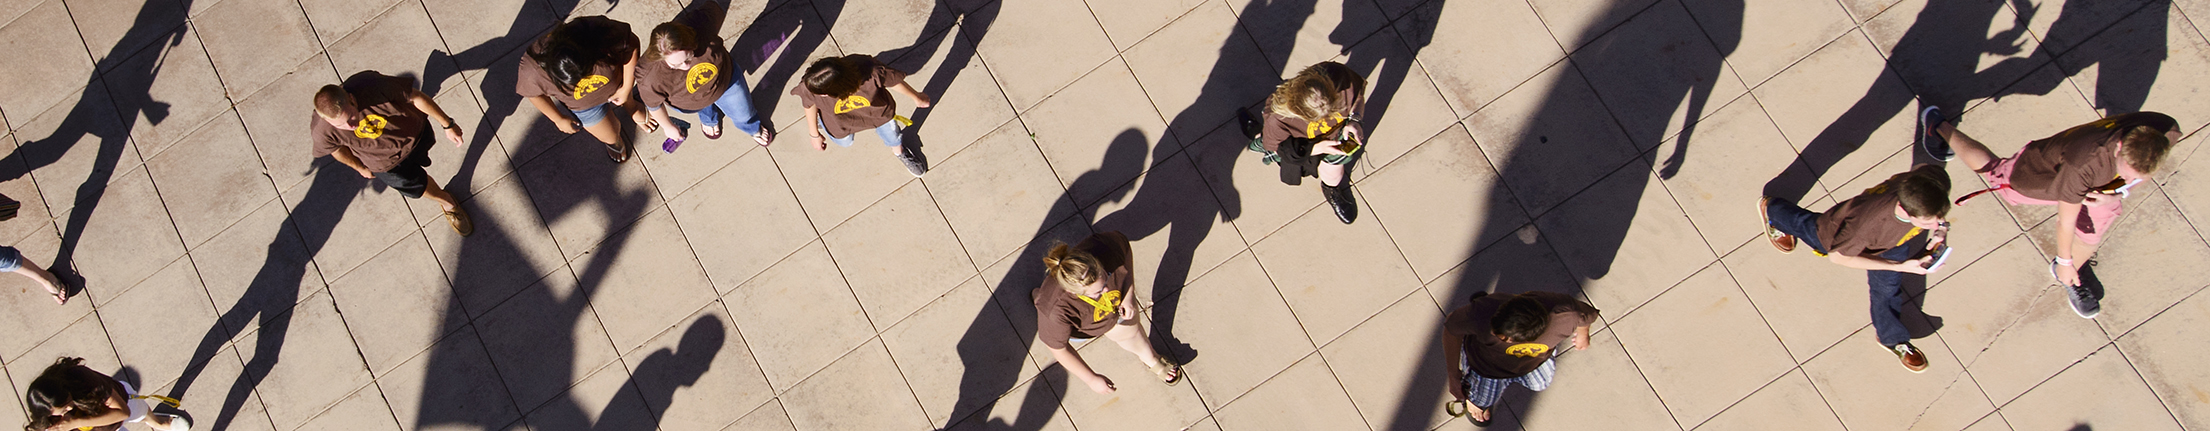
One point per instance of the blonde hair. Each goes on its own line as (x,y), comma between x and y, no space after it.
(1311,95)
(1073,268)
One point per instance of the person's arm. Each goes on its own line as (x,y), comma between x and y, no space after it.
(1912,266)
(428,106)
(666,124)
(1580,333)
(113,416)
(810,121)
(552,113)
(920,100)
(1452,363)
(2068,215)
(1075,367)
(345,155)
(629,78)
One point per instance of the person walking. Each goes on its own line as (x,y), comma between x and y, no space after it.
(1311,129)
(855,90)
(691,72)
(588,64)
(11,260)
(381,126)
(1497,340)
(1084,295)
(1869,232)
(70,396)
(2085,171)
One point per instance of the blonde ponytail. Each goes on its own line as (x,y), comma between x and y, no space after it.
(1072,268)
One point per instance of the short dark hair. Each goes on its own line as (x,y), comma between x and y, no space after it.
(833,76)
(65,383)
(1923,191)
(1521,319)
(2145,148)
(331,100)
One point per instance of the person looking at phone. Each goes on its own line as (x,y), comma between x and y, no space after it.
(1311,127)
(2085,171)
(1871,232)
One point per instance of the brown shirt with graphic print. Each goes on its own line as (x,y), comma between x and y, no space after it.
(604,77)
(867,108)
(692,88)
(1864,225)
(1061,315)
(1277,128)
(1492,357)
(389,127)
(2071,164)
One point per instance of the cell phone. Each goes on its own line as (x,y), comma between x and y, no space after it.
(1350,147)
(1940,255)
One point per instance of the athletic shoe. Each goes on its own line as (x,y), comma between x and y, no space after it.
(915,162)
(1913,359)
(1784,242)
(1929,135)
(2084,302)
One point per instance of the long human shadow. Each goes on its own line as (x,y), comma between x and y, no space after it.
(796,28)
(1383,65)
(275,288)
(1937,60)
(534,340)
(1587,229)
(991,364)
(497,58)
(127,75)
(962,24)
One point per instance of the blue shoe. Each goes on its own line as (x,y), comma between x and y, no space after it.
(1929,138)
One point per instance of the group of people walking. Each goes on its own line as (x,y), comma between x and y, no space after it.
(586,69)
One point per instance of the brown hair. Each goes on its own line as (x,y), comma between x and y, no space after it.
(1072,268)
(1923,191)
(669,37)
(2145,148)
(1521,319)
(66,383)
(833,76)
(332,100)
(1311,95)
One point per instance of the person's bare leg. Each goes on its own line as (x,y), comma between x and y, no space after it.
(604,130)
(2082,251)
(1974,154)
(46,280)
(437,194)
(1333,174)
(1130,338)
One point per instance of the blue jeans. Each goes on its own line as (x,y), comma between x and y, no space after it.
(888,131)
(735,103)
(10,259)
(1886,286)
(591,117)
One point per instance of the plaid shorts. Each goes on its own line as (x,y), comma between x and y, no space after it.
(1484,392)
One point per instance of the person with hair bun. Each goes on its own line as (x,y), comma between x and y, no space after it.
(691,72)
(1496,340)
(1871,232)
(2085,171)
(1310,126)
(588,64)
(70,396)
(1084,295)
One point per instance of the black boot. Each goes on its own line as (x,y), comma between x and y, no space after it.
(1339,197)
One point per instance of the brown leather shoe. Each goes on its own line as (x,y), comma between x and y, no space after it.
(1913,358)
(459,219)
(1784,242)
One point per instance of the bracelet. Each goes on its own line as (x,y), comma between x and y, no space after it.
(2063,261)
(450,124)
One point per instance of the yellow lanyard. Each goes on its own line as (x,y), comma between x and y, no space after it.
(1103,305)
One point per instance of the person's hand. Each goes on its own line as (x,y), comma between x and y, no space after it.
(454,132)
(1328,147)
(2068,275)
(672,134)
(1936,238)
(567,126)
(2098,199)
(1580,341)
(1913,266)
(1352,132)
(921,100)
(820,143)
(1457,389)
(1127,309)
(1099,383)
(365,173)
(620,95)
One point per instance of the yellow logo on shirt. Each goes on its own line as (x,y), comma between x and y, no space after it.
(1103,306)
(589,84)
(1316,128)
(1528,350)
(371,126)
(701,75)
(851,103)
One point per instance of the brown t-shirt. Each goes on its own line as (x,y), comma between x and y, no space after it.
(605,76)
(389,128)
(1061,315)
(1277,128)
(1865,224)
(2065,167)
(688,89)
(1493,358)
(867,108)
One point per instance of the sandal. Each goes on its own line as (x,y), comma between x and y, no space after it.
(711,132)
(1462,409)
(1168,371)
(766,135)
(618,152)
(651,126)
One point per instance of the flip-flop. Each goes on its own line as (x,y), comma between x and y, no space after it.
(766,135)
(670,144)
(711,132)
(618,152)
(651,126)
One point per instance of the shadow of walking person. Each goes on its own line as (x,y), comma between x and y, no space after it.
(274,289)
(117,93)
(666,370)
(796,28)
(993,362)
(1644,65)
(960,24)
(2124,40)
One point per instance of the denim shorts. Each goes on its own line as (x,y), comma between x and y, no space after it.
(590,117)
(10,259)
